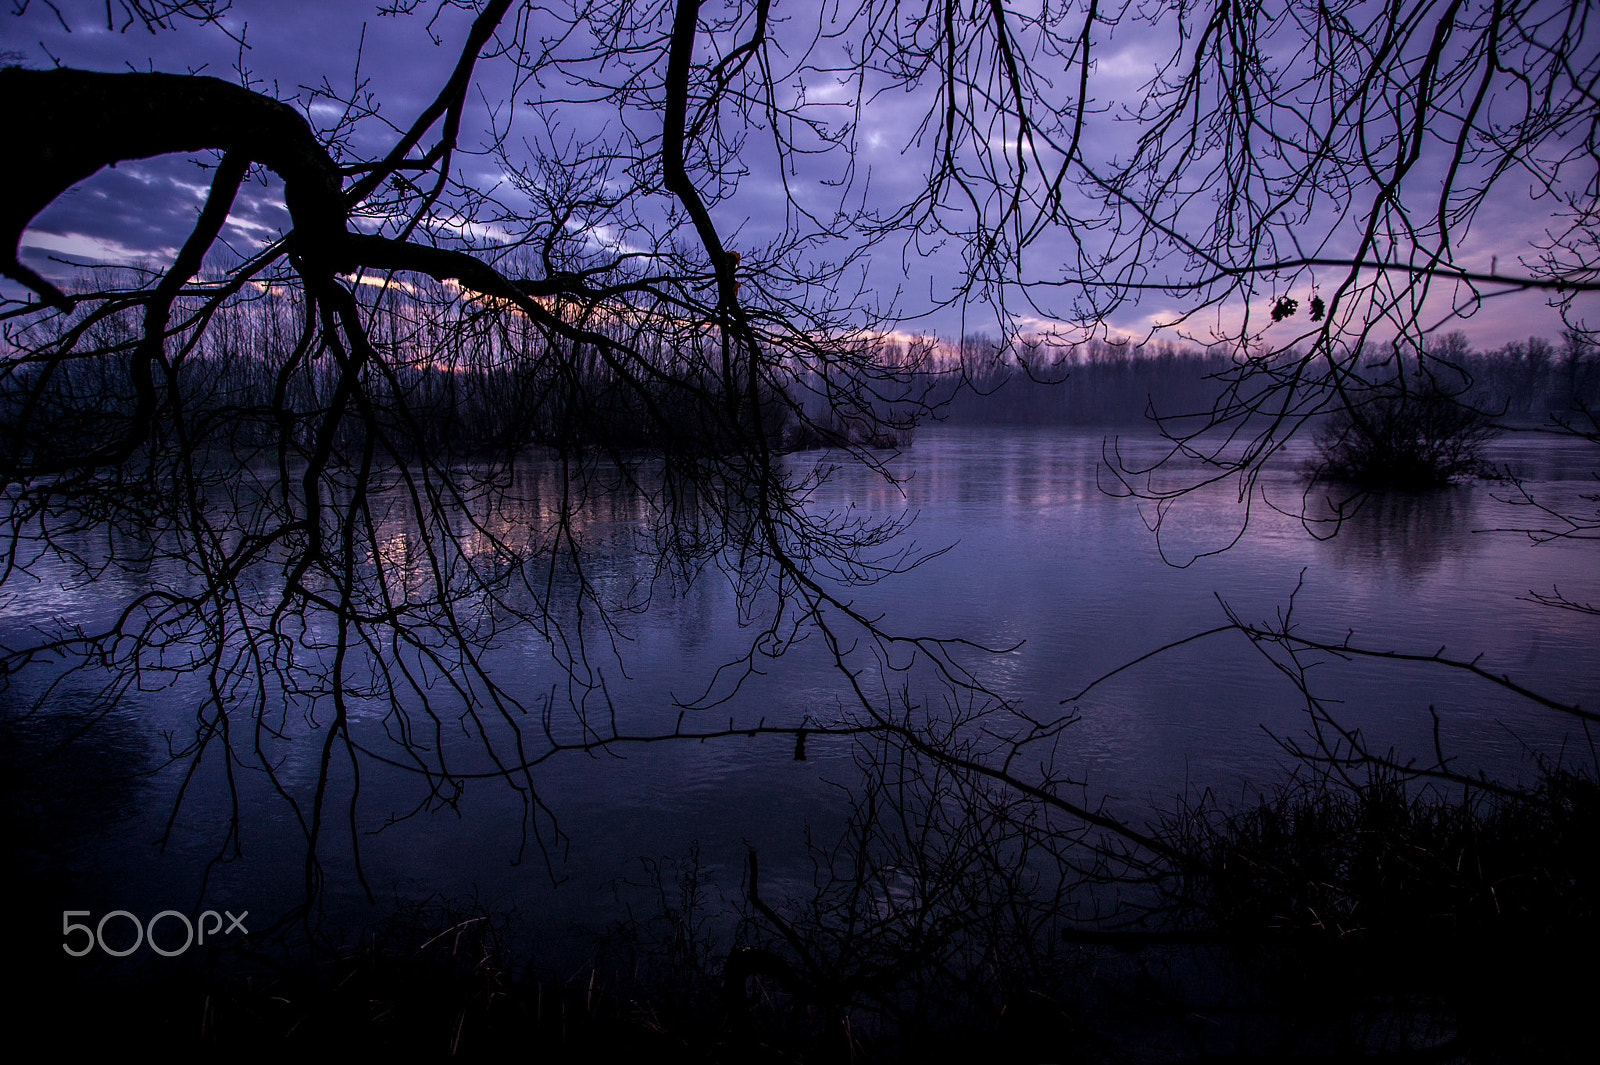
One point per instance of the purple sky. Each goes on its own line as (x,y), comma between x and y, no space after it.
(141,211)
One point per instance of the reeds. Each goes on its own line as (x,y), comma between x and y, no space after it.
(1458,912)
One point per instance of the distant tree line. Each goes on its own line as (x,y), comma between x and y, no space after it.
(1105,383)
(464,382)
(456,378)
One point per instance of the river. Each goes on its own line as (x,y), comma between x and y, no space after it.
(1044,556)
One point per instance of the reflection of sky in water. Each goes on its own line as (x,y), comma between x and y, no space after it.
(1040,556)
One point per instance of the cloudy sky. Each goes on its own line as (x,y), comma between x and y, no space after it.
(315,53)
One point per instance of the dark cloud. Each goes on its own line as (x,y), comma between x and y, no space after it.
(277,46)
(143,210)
(144,204)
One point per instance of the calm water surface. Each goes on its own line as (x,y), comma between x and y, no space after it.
(1041,558)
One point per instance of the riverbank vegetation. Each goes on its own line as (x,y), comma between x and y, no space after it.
(1099,383)
(1334,920)
(457,387)
(1406,439)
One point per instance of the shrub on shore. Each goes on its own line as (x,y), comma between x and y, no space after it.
(1458,912)
(1407,439)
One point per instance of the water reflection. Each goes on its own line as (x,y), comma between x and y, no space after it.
(1039,559)
(1407,534)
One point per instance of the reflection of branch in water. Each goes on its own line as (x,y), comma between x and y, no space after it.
(1337,747)
(1566,522)
(1561,602)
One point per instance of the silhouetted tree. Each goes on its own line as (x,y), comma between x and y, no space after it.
(304,530)
(1421,438)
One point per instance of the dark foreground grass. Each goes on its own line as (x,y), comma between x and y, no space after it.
(1329,922)
(414,990)
(1400,920)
